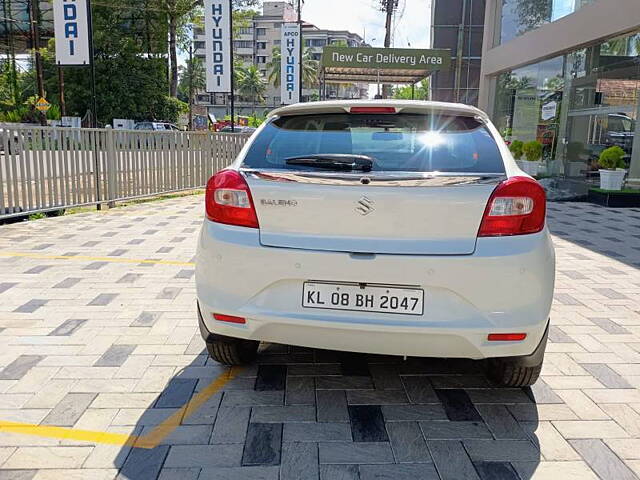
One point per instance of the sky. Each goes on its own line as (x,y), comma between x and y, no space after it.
(413,25)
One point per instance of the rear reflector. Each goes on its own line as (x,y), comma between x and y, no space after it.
(506,337)
(372,110)
(229,318)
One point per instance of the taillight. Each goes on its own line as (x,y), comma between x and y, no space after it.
(517,206)
(228,200)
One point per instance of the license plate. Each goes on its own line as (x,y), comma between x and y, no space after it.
(363,298)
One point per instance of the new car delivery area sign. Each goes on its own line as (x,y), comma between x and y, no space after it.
(391,65)
(71,24)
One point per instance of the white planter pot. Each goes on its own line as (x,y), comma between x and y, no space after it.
(530,168)
(612,179)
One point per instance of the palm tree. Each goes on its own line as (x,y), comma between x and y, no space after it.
(252,84)
(310,68)
(195,72)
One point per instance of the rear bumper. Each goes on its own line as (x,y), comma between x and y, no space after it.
(506,286)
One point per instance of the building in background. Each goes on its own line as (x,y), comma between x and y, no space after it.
(15,17)
(567,74)
(458,25)
(316,39)
(254,44)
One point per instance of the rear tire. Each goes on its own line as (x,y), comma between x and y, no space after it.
(511,374)
(233,351)
(518,371)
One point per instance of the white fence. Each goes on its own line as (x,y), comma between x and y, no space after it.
(45,169)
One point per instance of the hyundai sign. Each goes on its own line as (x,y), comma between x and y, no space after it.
(217,26)
(71,25)
(290,63)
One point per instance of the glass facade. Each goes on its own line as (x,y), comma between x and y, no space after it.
(520,16)
(576,105)
(458,25)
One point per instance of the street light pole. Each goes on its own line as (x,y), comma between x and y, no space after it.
(191,85)
(233,80)
(34,13)
(63,104)
(94,97)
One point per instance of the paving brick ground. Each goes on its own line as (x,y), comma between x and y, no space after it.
(105,344)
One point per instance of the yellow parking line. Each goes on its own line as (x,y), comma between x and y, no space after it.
(151,440)
(85,258)
(159,433)
(66,433)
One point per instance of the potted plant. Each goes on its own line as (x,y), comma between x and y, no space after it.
(533,153)
(612,170)
(516,149)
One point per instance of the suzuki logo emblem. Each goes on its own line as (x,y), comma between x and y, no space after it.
(365,206)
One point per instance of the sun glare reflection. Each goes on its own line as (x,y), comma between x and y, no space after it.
(432,139)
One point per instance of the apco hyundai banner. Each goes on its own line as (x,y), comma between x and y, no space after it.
(72,32)
(290,63)
(217,26)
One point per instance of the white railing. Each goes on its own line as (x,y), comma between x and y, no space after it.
(46,169)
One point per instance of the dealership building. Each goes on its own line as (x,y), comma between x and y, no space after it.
(565,73)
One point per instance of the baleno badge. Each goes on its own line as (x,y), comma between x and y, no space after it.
(268,202)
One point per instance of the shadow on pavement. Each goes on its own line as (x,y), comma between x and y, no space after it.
(613,232)
(299,413)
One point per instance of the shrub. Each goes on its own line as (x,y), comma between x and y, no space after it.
(611,158)
(13,116)
(532,151)
(256,121)
(516,149)
(168,109)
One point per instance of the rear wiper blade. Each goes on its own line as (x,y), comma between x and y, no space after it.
(333,161)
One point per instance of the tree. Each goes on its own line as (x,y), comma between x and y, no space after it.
(310,68)
(513,82)
(621,46)
(251,84)
(192,74)
(421,91)
(532,14)
(241,19)
(131,81)
(15,89)
(182,15)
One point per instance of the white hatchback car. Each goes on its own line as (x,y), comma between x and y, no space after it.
(386,227)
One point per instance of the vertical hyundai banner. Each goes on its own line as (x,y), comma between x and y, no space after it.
(290,63)
(71,25)
(217,26)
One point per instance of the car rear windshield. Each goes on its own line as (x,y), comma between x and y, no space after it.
(395,142)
